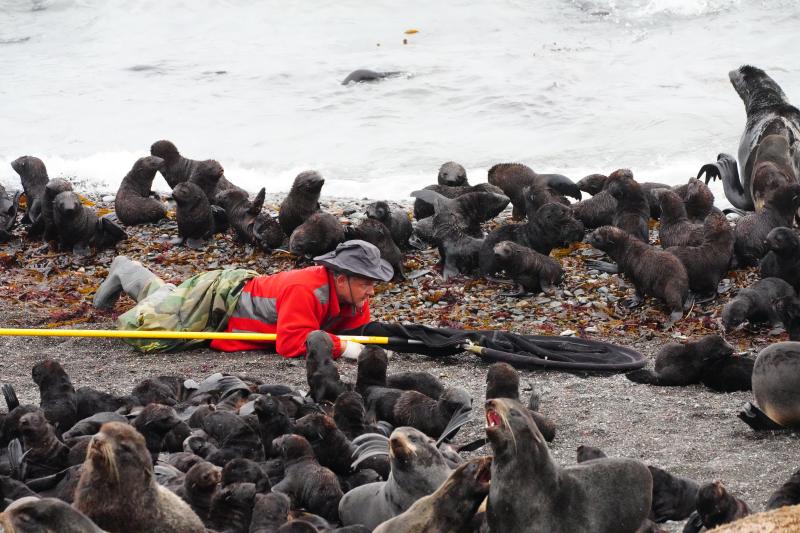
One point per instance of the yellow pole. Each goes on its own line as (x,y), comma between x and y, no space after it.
(138,334)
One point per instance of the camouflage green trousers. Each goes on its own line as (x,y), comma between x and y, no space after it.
(201,303)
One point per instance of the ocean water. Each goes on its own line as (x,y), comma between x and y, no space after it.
(567,86)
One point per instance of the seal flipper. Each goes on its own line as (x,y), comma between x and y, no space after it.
(10,396)
(562,185)
(459,419)
(602,266)
(258,202)
(109,232)
(437,200)
(757,419)
(727,170)
(647,377)
(220,220)
(694,524)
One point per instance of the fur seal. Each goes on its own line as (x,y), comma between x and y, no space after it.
(37,515)
(53,188)
(236,437)
(8,213)
(769,113)
(787,494)
(395,219)
(783,258)
(788,309)
(376,232)
(531,271)
(418,469)
(193,214)
(33,175)
(134,203)
(422,382)
(249,224)
(424,208)
(652,271)
(176,168)
(751,230)
(310,485)
(529,492)
(451,507)
(44,453)
(512,178)
(697,198)
(708,360)
(364,75)
(452,174)
(715,506)
(502,381)
(302,200)
(707,263)
(210,177)
(270,511)
(273,421)
(756,303)
(79,227)
(772,168)
(551,226)
(321,373)
(118,491)
(674,228)
(775,382)
(319,234)
(58,398)
(198,486)
(430,416)
(596,211)
(350,414)
(633,211)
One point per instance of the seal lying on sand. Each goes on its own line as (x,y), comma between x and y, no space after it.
(529,492)
(302,200)
(134,203)
(249,224)
(79,227)
(319,234)
(118,491)
(768,113)
(756,303)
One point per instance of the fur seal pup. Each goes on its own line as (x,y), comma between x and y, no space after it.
(153,423)
(531,271)
(430,416)
(529,492)
(707,263)
(363,75)
(376,232)
(424,208)
(788,309)
(37,515)
(270,512)
(592,184)
(232,507)
(418,469)
(44,453)
(715,506)
(350,414)
(451,507)
(249,224)
(321,373)
(512,178)
(210,177)
(772,168)
(193,214)
(58,398)
(302,200)
(633,211)
(198,487)
(79,227)
(768,113)
(308,484)
(783,258)
(8,213)
(33,175)
(319,234)
(652,271)
(452,174)
(697,198)
(775,382)
(752,230)
(118,491)
(53,188)
(422,382)
(176,168)
(502,381)
(236,437)
(134,203)
(756,303)
(595,211)
(273,421)
(395,219)
(674,228)
(708,360)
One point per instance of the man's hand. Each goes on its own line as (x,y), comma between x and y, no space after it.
(352,350)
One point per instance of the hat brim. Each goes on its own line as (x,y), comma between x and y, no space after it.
(384,272)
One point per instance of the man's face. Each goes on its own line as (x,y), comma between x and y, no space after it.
(353,289)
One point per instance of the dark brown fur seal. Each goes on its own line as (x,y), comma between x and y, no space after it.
(787,494)
(79,228)
(633,211)
(751,230)
(302,200)
(430,416)
(451,507)
(210,177)
(250,225)
(708,360)
(783,258)
(236,437)
(33,175)
(193,214)
(350,414)
(674,228)
(775,382)
(502,381)
(310,485)
(273,421)
(53,188)
(8,213)
(134,203)
(375,232)
(118,491)
(424,208)
(58,399)
(529,492)
(788,309)
(176,169)
(418,469)
(451,182)
(43,515)
(198,487)
(697,198)
(596,211)
(153,423)
(652,271)
(756,303)
(772,168)
(270,512)
(422,382)
(395,219)
(319,234)
(593,183)
(513,178)
(550,227)
(44,453)
(715,506)
(452,174)
(232,507)
(531,271)
(709,262)
(321,372)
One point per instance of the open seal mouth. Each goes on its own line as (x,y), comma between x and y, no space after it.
(493,419)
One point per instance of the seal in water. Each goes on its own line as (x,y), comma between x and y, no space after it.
(194,215)
(783,258)
(319,234)
(529,492)
(751,230)
(715,506)
(118,491)
(513,178)
(531,271)
(768,113)
(418,469)
(652,271)
(34,515)
(756,303)
(134,203)
(364,75)
(708,360)
(33,175)
(395,219)
(776,386)
(249,224)
(451,507)
(302,200)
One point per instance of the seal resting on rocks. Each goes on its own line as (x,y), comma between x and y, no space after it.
(756,303)
(752,230)
(79,227)
(194,215)
(531,271)
(53,188)
(708,360)
(134,203)
(35,515)
(33,175)
(697,198)
(418,469)
(451,507)
(674,228)
(423,208)
(513,178)
(319,234)
(321,373)
(529,492)
(633,211)
(118,491)
(176,168)
(376,232)
(395,219)
(715,506)
(302,200)
(652,271)
(783,258)
(502,381)
(249,224)
(769,113)
(8,213)
(430,416)
(210,177)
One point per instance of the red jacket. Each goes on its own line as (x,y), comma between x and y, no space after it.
(291,304)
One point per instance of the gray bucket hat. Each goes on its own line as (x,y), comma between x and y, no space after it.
(358,258)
